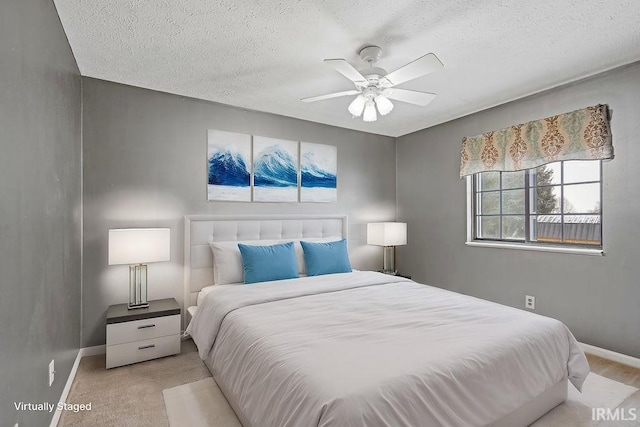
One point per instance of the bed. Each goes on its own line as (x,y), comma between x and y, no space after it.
(368,349)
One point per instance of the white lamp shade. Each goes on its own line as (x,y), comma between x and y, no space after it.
(357,105)
(384,105)
(387,233)
(139,245)
(370,112)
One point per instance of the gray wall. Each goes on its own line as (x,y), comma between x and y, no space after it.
(597,297)
(40,207)
(145,165)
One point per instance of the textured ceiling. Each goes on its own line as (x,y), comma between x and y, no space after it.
(266,55)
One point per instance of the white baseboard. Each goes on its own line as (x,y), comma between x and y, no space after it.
(83,352)
(93,351)
(611,355)
(66,389)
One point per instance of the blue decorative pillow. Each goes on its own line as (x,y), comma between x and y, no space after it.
(326,258)
(267,263)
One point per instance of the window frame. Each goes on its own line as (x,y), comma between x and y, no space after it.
(526,244)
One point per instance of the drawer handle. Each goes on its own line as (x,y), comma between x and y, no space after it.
(146,326)
(146,346)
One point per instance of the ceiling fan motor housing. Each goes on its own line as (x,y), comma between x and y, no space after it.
(370,92)
(373,74)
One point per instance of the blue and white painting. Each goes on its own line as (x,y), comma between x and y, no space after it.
(229,166)
(318,173)
(275,170)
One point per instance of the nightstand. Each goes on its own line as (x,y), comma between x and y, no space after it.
(142,334)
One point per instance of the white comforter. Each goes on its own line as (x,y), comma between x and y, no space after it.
(367,349)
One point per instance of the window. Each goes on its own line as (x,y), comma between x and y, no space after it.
(555,204)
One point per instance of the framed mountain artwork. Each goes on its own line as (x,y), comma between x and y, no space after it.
(275,170)
(318,173)
(228,166)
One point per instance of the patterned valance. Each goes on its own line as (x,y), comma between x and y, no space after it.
(579,135)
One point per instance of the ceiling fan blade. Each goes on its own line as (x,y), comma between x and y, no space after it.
(331,95)
(347,70)
(418,68)
(410,96)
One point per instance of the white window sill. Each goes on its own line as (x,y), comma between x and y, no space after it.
(539,248)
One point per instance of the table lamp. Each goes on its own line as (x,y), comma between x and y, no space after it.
(389,235)
(137,247)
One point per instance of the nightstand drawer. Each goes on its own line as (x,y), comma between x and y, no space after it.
(126,332)
(134,352)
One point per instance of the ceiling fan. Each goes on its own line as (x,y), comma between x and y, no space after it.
(375,87)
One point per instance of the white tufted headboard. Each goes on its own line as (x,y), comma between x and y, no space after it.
(199,230)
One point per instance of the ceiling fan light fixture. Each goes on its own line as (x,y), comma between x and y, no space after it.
(370,112)
(384,105)
(375,88)
(357,105)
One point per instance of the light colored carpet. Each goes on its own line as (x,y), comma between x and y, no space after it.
(202,404)
(130,395)
(597,392)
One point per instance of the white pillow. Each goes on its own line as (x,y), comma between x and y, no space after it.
(227,261)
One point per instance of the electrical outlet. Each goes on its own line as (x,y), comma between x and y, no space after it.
(52,372)
(530,302)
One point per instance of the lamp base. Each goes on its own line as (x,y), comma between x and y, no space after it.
(390,272)
(138,286)
(138,305)
(389,263)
